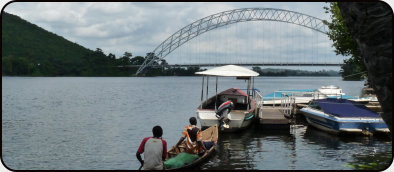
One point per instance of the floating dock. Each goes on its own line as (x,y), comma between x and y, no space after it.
(270,117)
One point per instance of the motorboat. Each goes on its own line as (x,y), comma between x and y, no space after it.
(304,96)
(368,93)
(301,96)
(241,116)
(342,116)
(244,104)
(330,91)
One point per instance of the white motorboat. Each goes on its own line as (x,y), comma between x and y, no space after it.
(305,95)
(243,113)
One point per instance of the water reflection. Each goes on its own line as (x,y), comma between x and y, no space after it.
(233,152)
(378,161)
(299,147)
(327,140)
(245,149)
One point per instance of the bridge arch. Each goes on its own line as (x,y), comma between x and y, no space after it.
(225,18)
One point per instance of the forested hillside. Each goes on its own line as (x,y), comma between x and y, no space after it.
(28,50)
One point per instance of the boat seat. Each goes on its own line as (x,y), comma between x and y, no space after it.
(240,106)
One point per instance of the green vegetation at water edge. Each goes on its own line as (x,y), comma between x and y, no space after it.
(290,72)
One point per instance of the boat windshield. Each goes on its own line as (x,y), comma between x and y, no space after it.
(314,105)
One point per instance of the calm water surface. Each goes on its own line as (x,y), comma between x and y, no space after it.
(88,123)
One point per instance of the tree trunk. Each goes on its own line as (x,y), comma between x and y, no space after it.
(370,24)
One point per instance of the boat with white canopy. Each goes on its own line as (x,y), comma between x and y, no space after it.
(231,109)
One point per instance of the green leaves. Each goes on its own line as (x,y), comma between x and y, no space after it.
(343,43)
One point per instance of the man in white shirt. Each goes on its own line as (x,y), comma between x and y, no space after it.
(154,149)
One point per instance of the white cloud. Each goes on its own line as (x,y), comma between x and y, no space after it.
(94,30)
(108,8)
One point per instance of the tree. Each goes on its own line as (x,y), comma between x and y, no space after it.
(127,54)
(125,59)
(111,56)
(350,71)
(257,69)
(370,24)
(137,60)
(99,50)
(344,44)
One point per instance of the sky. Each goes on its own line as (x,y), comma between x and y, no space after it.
(139,27)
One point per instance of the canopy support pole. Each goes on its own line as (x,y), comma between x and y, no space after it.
(247,98)
(216,92)
(206,100)
(253,87)
(202,91)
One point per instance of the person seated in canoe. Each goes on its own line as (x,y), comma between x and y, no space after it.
(193,136)
(222,113)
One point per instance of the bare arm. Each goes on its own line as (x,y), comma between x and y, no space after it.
(138,155)
(180,141)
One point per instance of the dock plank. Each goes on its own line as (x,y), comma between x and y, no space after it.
(272,116)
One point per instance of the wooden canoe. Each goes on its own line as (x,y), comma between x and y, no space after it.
(209,134)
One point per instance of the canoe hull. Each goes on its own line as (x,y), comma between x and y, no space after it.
(209,134)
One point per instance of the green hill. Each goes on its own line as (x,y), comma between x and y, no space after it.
(27,47)
(29,50)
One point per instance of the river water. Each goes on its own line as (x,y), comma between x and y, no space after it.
(97,123)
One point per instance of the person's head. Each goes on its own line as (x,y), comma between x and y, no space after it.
(157,131)
(193,121)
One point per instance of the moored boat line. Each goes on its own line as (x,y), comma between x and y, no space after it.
(233,109)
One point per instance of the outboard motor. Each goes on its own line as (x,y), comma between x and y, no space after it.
(222,113)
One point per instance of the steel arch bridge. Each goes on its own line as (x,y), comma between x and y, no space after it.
(225,18)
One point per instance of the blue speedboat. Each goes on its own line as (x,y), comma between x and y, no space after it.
(343,116)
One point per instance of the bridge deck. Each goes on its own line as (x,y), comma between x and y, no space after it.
(244,64)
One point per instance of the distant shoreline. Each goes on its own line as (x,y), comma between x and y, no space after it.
(151,76)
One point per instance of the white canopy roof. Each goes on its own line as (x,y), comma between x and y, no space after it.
(229,70)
